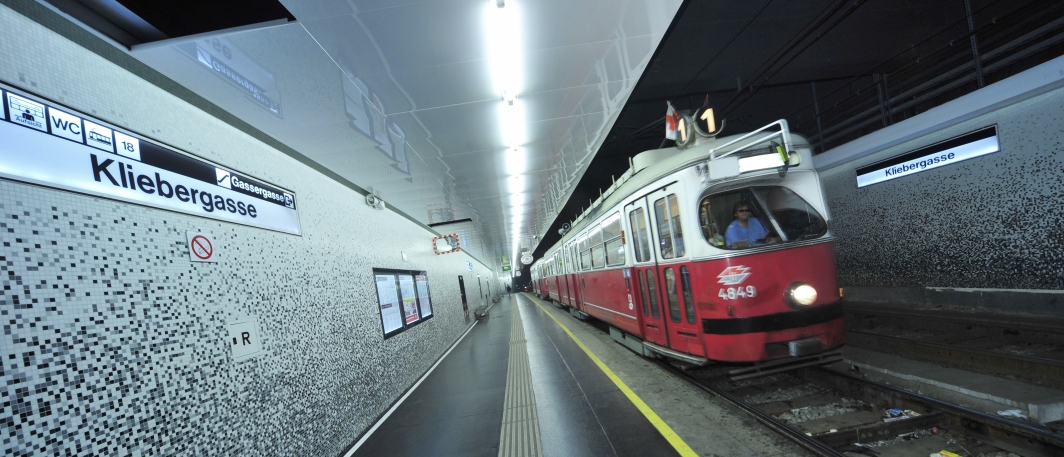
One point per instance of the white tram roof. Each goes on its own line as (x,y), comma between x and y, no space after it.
(649,166)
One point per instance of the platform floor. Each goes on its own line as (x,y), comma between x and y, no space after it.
(520,384)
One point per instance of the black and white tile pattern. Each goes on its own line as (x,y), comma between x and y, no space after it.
(114,343)
(990,222)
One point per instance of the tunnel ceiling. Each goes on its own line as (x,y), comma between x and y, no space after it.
(869,63)
(408,98)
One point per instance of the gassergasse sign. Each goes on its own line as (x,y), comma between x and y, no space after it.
(52,146)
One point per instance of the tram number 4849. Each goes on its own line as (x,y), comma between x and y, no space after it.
(733,293)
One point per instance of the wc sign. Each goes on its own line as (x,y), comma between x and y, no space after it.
(243,338)
(201,248)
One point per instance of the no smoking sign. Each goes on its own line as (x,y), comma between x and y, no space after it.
(201,248)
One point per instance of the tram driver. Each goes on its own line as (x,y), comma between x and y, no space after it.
(746,230)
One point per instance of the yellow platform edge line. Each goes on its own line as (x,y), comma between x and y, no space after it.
(670,435)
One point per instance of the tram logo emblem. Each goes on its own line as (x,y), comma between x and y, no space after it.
(734,275)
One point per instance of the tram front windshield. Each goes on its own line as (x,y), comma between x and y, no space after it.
(758,216)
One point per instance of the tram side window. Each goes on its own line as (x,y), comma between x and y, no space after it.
(688,301)
(595,241)
(670,292)
(652,290)
(670,233)
(641,245)
(643,287)
(758,216)
(611,234)
(585,254)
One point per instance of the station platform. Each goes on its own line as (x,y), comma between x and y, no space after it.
(530,380)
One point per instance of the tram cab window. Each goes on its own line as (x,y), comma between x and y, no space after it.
(757,216)
(710,230)
(637,221)
(670,233)
(611,235)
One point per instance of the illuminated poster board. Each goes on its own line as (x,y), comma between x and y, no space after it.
(406,292)
(388,302)
(424,300)
(402,299)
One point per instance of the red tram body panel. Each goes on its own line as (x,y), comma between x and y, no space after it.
(720,251)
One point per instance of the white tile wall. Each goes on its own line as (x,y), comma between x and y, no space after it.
(114,343)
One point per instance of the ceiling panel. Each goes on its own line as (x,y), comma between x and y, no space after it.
(399,96)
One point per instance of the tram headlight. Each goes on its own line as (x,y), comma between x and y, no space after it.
(801,294)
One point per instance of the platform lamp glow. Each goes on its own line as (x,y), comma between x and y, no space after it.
(504,48)
(503,38)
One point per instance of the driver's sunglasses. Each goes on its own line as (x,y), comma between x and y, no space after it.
(747,210)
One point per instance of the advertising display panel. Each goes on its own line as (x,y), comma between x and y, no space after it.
(424,301)
(402,298)
(388,301)
(44,144)
(406,290)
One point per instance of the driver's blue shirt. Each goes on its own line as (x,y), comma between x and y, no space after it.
(751,233)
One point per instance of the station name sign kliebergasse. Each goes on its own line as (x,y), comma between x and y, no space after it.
(49,145)
(968,146)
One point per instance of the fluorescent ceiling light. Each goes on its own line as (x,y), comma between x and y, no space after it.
(503,38)
(516,183)
(512,120)
(516,161)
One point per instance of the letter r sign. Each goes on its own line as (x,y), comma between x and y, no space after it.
(243,337)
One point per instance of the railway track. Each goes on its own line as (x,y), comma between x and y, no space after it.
(835,413)
(832,411)
(1025,348)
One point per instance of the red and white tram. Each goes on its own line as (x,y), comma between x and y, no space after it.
(720,251)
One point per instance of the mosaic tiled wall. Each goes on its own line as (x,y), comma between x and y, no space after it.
(115,344)
(989,222)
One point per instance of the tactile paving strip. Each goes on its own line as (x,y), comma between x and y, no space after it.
(520,424)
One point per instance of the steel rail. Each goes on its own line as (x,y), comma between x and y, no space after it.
(1002,321)
(1044,436)
(1023,366)
(1029,431)
(803,440)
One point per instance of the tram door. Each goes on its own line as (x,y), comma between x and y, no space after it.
(570,275)
(673,275)
(564,275)
(563,279)
(644,279)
